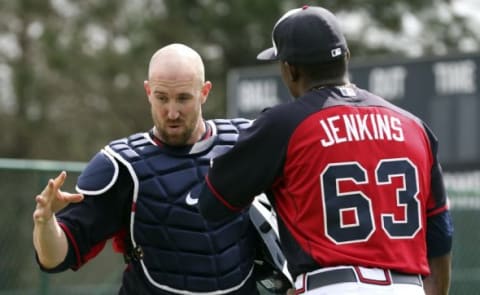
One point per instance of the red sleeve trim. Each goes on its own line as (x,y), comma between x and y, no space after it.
(118,242)
(437,211)
(73,242)
(219,196)
(81,260)
(97,248)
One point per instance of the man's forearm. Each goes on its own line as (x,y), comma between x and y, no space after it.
(438,282)
(50,243)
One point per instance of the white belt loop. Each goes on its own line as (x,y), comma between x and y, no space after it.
(301,284)
(375,276)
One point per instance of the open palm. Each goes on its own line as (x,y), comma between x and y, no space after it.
(52,199)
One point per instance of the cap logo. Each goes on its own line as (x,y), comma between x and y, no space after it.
(336,52)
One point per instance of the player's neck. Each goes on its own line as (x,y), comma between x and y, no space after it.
(326,83)
(309,85)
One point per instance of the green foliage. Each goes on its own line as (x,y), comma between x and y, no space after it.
(78,67)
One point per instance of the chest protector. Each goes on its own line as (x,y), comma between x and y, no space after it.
(177,249)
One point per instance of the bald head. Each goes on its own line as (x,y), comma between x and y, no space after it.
(176,62)
(176,90)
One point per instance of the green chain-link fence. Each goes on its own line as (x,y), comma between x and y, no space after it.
(21,180)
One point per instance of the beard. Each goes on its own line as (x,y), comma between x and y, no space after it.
(179,136)
(175,138)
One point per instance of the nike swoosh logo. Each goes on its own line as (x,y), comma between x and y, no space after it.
(190,201)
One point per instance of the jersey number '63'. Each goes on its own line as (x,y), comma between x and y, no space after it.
(336,203)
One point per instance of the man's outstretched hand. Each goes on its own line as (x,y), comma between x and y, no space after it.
(52,199)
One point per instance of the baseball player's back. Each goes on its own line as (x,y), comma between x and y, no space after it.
(355,180)
(351,183)
(351,189)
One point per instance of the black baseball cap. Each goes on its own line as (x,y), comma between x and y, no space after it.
(310,34)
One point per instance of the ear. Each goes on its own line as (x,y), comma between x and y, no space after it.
(292,72)
(207,86)
(147,88)
(347,55)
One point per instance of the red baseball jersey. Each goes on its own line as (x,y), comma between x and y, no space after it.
(352,177)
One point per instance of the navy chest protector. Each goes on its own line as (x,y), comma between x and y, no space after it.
(177,249)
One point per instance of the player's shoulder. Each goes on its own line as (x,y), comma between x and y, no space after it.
(285,117)
(375,99)
(99,175)
(134,140)
(233,125)
(103,169)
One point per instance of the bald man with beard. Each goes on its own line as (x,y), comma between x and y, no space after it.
(141,191)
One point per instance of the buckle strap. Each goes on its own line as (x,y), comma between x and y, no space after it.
(133,254)
(354,275)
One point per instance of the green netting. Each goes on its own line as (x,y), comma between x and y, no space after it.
(21,180)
